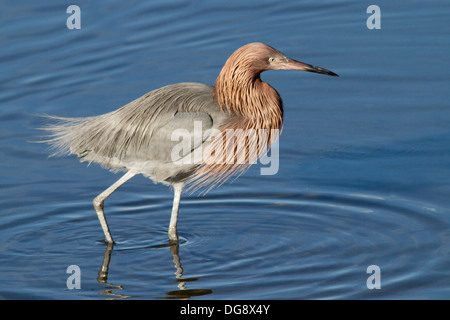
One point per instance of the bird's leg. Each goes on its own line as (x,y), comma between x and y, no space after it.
(173,235)
(98,203)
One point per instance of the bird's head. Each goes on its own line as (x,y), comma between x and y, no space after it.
(239,87)
(254,58)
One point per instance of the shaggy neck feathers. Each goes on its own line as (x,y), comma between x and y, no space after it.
(240,90)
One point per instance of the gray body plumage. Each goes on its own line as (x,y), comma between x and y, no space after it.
(138,136)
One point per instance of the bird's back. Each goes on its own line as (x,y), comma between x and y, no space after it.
(143,135)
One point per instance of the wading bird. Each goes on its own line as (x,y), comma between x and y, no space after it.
(137,138)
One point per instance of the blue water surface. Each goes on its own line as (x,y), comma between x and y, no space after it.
(364,159)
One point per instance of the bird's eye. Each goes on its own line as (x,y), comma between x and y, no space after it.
(271,59)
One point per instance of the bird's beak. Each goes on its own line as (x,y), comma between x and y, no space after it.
(291,64)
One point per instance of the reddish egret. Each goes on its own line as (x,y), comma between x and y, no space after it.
(137,138)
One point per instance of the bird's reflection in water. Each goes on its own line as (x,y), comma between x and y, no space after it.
(103,277)
(182,292)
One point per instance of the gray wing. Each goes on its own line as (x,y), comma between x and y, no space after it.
(179,137)
(145,131)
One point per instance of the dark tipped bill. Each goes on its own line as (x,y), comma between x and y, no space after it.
(297,65)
